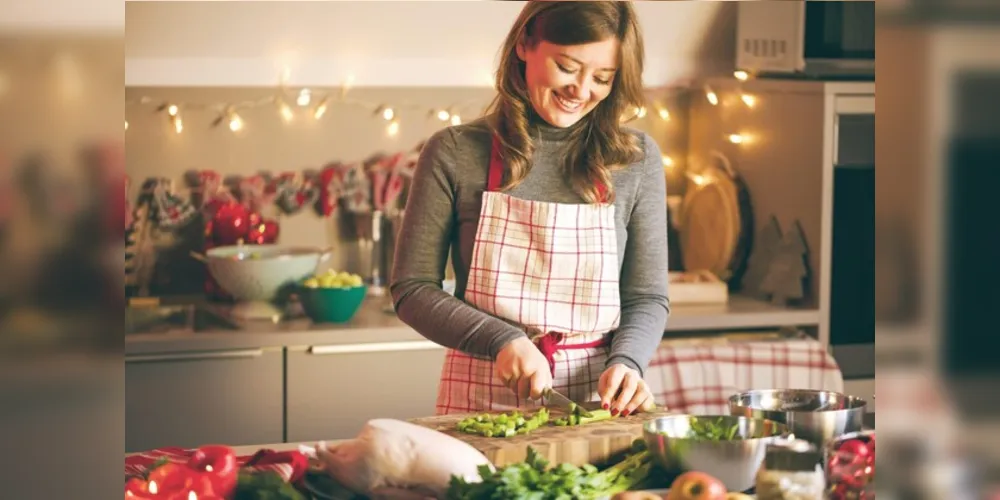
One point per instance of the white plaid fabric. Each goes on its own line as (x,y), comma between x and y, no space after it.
(551,268)
(699,378)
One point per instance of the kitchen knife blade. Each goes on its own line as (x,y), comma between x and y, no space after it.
(553,396)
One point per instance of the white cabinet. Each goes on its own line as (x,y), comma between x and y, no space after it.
(189,399)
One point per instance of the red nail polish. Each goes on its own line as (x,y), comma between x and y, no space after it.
(614,412)
(625,413)
(606,406)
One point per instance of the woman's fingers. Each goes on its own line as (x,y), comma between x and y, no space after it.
(609,384)
(628,388)
(639,400)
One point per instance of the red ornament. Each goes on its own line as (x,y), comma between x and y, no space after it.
(230,224)
(264,232)
(856,448)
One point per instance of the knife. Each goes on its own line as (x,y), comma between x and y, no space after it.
(551,395)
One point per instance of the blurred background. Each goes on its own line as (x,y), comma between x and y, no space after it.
(241,88)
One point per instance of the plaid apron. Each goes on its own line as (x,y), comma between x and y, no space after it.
(551,269)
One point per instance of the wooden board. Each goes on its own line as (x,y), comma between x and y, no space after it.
(595,443)
(697,287)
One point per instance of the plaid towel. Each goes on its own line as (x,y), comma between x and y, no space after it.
(699,378)
(290,465)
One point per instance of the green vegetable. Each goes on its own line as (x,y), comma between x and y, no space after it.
(713,430)
(504,424)
(579,416)
(535,480)
(265,486)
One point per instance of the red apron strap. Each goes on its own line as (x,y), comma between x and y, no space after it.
(548,344)
(495,175)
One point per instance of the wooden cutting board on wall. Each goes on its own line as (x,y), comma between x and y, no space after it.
(595,443)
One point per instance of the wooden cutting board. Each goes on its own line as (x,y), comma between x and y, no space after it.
(710,223)
(595,443)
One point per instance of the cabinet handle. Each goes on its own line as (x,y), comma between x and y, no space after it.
(195,356)
(416,345)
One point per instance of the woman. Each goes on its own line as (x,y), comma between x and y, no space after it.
(555,217)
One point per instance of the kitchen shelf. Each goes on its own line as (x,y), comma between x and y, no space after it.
(739,313)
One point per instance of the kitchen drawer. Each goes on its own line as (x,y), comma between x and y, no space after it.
(189,399)
(333,390)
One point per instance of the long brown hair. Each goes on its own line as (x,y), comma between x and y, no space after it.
(598,145)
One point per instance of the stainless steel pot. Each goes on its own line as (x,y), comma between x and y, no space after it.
(815,416)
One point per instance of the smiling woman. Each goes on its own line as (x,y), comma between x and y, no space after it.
(554,216)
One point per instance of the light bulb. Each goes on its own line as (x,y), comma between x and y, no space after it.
(443,115)
(668,161)
(749,100)
(388,114)
(304,97)
(641,112)
(286,112)
(235,123)
(736,139)
(713,99)
(456,120)
(172,110)
(320,110)
(178,124)
(393,128)
(664,113)
(126,124)
(741,75)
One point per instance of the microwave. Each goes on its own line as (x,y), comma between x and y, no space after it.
(807,39)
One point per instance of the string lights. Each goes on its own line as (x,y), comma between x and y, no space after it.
(291,103)
(748,99)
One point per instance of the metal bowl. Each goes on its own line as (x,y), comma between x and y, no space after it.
(734,462)
(815,416)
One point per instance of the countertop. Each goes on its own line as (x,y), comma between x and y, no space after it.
(376,323)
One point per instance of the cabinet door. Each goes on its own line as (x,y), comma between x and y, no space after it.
(189,399)
(333,390)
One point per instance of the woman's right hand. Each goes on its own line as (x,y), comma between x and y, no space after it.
(523,369)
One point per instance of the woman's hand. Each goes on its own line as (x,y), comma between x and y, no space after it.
(623,391)
(523,369)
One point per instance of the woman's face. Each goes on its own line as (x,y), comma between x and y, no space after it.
(565,82)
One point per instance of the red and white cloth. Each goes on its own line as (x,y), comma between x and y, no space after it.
(290,465)
(552,269)
(699,379)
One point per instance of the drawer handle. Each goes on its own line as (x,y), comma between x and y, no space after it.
(417,345)
(195,356)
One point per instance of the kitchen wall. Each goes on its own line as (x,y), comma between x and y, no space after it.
(386,44)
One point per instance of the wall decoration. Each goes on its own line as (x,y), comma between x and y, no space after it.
(765,247)
(788,270)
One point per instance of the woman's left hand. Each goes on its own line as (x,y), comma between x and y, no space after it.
(623,391)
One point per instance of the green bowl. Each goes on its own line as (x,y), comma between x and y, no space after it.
(332,305)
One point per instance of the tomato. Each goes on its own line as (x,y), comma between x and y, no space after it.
(697,486)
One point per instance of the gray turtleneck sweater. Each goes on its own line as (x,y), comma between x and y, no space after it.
(442,214)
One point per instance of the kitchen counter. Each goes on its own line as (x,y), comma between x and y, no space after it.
(376,323)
